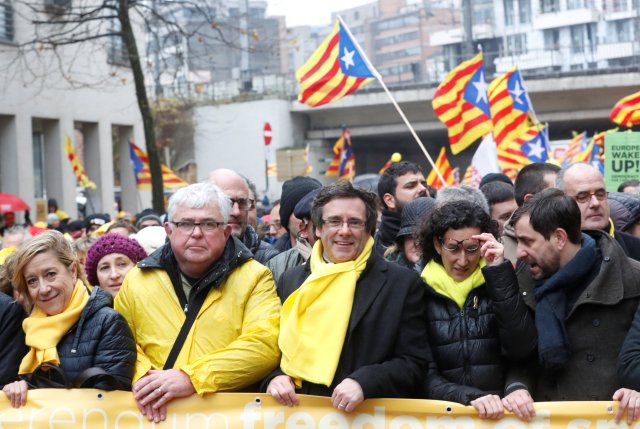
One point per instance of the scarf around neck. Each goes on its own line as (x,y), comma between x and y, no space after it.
(43,332)
(436,276)
(551,307)
(315,317)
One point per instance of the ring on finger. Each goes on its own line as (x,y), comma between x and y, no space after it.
(159,390)
(342,406)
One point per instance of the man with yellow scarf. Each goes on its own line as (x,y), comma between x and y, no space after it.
(352,324)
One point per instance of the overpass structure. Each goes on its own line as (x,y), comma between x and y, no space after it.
(566,103)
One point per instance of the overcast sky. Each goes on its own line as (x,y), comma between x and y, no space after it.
(309,12)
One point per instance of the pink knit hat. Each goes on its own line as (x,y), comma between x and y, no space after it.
(106,245)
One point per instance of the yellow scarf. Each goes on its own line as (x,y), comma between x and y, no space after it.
(315,318)
(435,275)
(43,333)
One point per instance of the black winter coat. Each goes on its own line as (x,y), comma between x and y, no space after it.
(101,339)
(12,347)
(384,347)
(473,347)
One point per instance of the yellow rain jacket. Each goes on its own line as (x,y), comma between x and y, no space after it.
(233,342)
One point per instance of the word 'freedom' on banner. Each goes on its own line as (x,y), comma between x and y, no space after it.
(49,408)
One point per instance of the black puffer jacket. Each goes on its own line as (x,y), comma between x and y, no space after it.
(12,347)
(473,347)
(262,251)
(101,339)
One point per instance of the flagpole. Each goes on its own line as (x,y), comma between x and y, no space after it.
(395,104)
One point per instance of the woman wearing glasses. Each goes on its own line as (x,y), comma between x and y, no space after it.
(477,321)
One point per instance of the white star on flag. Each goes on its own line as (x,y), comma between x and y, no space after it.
(347,58)
(481,87)
(517,92)
(535,149)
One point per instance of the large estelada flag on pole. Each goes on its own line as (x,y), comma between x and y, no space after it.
(343,164)
(509,104)
(626,112)
(337,68)
(76,165)
(461,103)
(442,164)
(140,162)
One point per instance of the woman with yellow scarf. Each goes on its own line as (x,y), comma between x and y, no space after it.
(478,325)
(75,338)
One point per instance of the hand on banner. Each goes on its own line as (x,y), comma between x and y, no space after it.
(16,393)
(347,395)
(630,401)
(154,390)
(520,403)
(489,407)
(283,390)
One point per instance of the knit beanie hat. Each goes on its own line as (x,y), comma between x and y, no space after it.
(413,213)
(292,191)
(106,245)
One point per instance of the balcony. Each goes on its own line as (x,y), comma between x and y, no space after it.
(529,61)
(565,18)
(455,35)
(614,50)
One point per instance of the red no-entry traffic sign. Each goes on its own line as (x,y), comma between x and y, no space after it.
(266,132)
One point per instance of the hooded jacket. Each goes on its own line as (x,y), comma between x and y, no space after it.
(233,341)
(100,339)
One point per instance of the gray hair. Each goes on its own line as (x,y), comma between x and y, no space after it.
(462,192)
(17,230)
(200,195)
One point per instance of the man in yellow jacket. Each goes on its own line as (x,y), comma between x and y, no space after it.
(204,314)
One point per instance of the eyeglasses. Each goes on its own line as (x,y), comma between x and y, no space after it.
(585,196)
(353,224)
(452,245)
(276,224)
(243,203)
(188,226)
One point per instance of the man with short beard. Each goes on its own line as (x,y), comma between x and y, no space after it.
(586,295)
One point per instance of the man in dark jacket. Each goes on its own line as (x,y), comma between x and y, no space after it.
(585,184)
(586,295)
(237,189)
(400,184)
(372,342)
(12,346)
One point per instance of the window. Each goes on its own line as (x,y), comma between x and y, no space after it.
(517,44)
(509,13)
(576,4)
(577,39)
(551,40)
(117,53)
(619,31)
(549,6)
(397,38)
(397,22)
(6,20)
(616,5)
(525,11)
(38,164)
(483,12)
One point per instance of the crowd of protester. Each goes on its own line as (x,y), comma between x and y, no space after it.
(496,297)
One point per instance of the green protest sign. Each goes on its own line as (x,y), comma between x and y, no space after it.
(621,158)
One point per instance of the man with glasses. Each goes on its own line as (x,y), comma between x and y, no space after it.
(352,324)
(586,295)
(585,184)
(204,314)
(236,188)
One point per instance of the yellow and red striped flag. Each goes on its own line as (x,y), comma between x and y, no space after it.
(577,144)
(343,164)
(78,169)
(509,105)
(337,68)
(462,105)
(140,161)
(626,112)
(442,164)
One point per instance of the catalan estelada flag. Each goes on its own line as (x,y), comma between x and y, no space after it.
(78,169)
(140,162)
(626,112)
(509,104)
(530,147)
(442,164)
(343,164)
(337,68)
(461,103)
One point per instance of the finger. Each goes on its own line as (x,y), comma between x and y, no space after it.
(506,401)
(152,396)
(479,406)
(292,398)
(352,406)
(621,407)
(162,400)
(632,411)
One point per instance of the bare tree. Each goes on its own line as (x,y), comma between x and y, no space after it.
(83,28)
